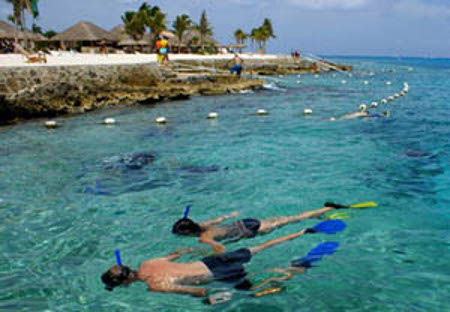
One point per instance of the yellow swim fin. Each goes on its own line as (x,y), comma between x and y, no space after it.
(369,204)
(339,215)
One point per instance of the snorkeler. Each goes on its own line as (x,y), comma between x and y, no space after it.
(164,275)
(363,112)
(245,228)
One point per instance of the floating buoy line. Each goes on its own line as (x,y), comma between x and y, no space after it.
(52,124)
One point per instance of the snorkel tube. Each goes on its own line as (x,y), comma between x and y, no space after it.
(186,211)
(119,262)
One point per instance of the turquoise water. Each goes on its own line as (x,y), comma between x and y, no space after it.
(66,200)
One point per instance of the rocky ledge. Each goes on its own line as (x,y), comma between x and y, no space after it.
(34,92)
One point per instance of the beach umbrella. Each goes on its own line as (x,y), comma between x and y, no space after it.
(167,34)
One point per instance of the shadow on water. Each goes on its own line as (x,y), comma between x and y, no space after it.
(136,172)
(415,168)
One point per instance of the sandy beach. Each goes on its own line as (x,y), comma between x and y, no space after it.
(70,59)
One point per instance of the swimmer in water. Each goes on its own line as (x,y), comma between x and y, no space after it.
(210,233)
(363,112)
(164,275)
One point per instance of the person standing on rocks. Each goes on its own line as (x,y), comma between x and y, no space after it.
(237,65)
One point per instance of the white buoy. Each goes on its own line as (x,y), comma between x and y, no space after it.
(212,115)
(396,95)
(332,119)
(366,82)
(344,81)
(307,111)
(374,104)
(334,75)
(281,76)
(261,112)
(384,101)
(298,81)
(388,83)
(109,121)
(51,124)
(299,76)
(161,120)
(405,90)
(410,69)
(363,107)
(391,98)
(316,75)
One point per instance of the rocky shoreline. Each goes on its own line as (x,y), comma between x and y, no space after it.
(37,92)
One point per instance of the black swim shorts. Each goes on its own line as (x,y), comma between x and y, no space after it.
(228,266)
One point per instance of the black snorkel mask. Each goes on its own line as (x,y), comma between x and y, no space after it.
(112,281)
(186,226)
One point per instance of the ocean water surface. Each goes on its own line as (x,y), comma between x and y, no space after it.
(69,197)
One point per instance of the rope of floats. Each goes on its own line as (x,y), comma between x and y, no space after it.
(52,124)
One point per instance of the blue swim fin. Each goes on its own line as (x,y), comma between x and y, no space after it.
(316,254)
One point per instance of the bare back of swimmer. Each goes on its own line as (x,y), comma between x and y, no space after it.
(210,233)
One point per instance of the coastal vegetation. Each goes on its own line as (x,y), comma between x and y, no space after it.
(181,24)
(149,21)
(204,28)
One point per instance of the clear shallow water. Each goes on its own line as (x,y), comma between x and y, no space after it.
(66,202)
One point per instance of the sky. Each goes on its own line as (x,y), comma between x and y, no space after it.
(419,28)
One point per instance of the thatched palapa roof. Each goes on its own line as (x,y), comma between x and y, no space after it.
(83,31)
(188,39)
(119,35)
(8,31)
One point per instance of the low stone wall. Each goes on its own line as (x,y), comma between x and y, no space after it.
(16,79)
(48,91)
(51,91)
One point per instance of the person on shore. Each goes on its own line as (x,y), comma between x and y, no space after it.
(159,56)
(210,234)
(237,65)
(163,275)
(164,50)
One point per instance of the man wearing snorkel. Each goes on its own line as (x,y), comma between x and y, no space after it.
(210,233)
(164,275)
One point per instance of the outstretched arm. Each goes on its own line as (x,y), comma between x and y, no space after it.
(218,247)
(177,253)
(220,219)
(173,288)
(277,241)
(315,213)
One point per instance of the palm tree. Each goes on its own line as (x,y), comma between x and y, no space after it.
(50,33)
(255,36)
(180,25)
(240,37)
(204,29)
(134,25)
(36,29)
(16,16)
(267,31)
(19,7)
(267,25)
(154,19)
